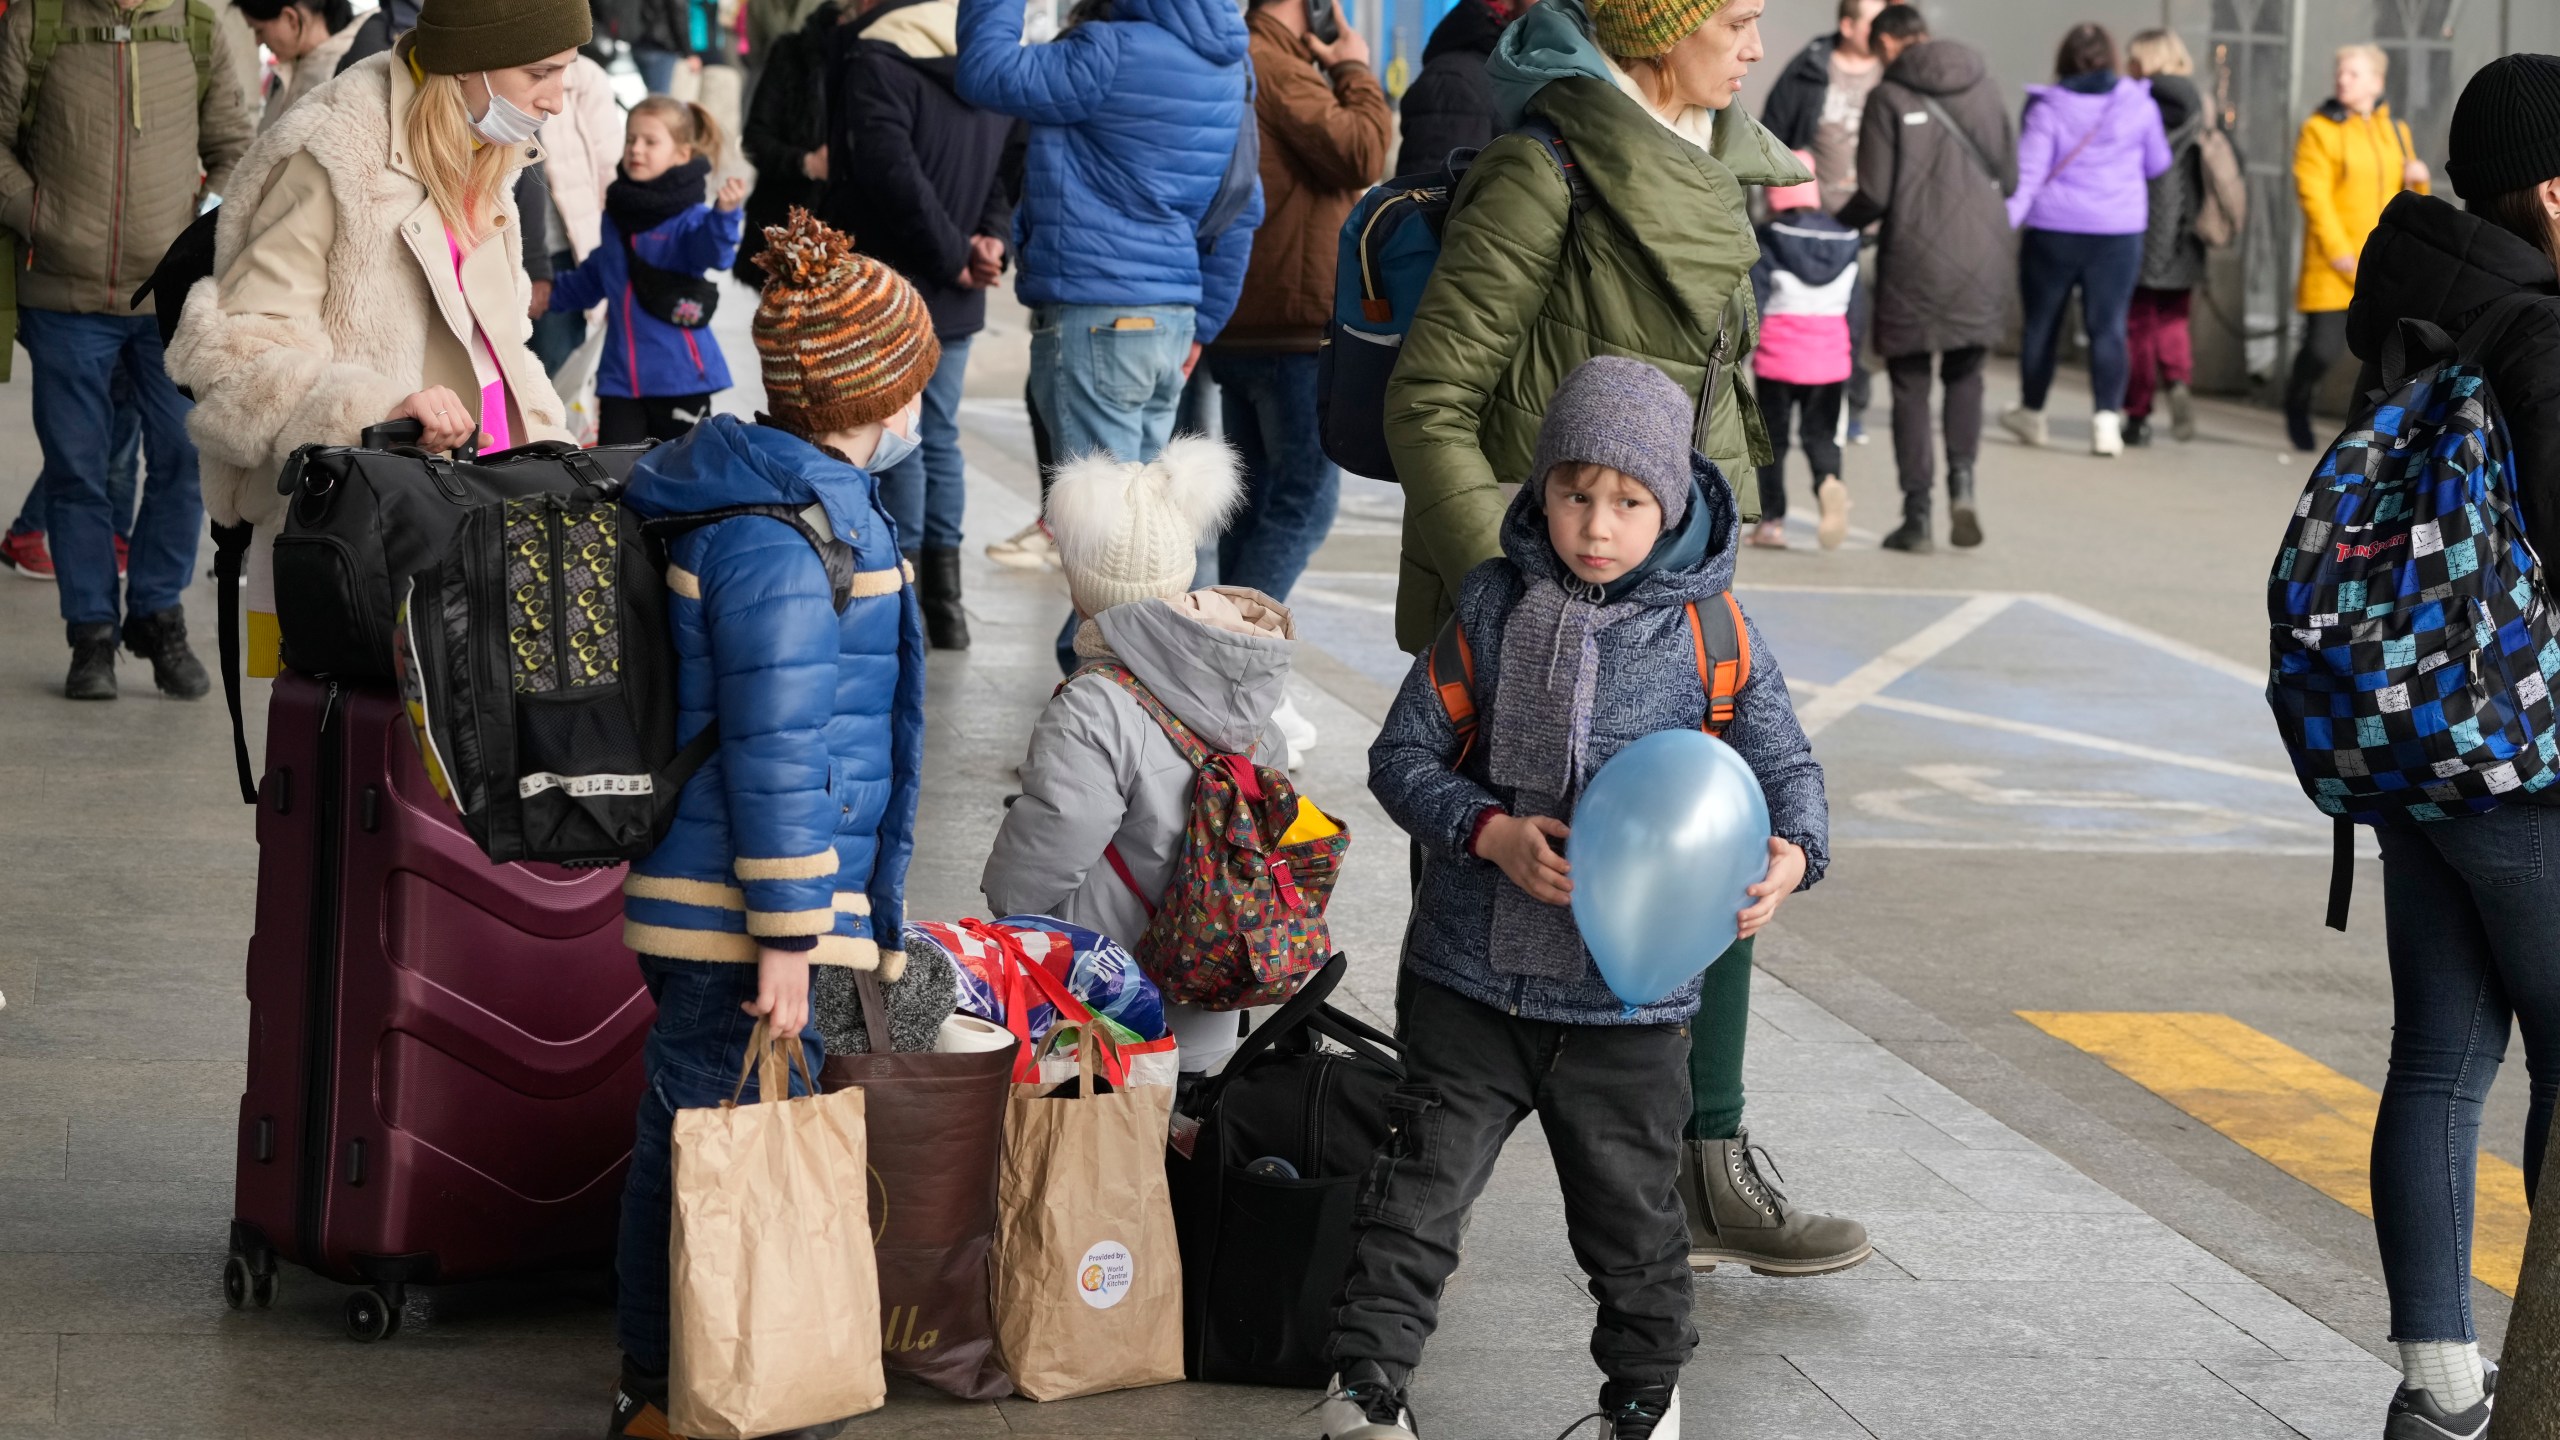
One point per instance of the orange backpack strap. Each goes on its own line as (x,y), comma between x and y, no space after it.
(1723,652)
(1453,679)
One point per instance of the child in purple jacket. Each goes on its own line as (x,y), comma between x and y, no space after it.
(2087,149)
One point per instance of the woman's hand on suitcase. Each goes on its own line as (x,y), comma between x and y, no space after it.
(442,414)
(782,990)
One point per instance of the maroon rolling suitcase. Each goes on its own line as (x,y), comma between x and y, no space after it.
(444,1053)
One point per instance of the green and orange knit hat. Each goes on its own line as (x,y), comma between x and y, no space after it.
(844,339)
(1643,29)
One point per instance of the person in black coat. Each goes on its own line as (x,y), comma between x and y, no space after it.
(1450,105)
(2470,900)
(927,182)
(785,136)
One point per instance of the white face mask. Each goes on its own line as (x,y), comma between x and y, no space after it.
(504,124)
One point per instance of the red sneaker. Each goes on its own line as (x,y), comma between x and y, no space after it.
(23,551)
(120,549)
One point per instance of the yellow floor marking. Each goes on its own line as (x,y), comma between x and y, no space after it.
(2292,1111)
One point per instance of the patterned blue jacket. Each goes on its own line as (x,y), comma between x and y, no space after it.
(1133,120)
(1648,682)
(644,355)
(799,827)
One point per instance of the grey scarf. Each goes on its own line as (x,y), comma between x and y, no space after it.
(1540,742)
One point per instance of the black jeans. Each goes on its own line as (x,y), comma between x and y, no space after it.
(621,420)
(1612,1099)
(2324,339)
(1961,372)
(1820,430)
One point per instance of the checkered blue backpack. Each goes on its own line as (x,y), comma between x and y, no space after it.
(2411,642)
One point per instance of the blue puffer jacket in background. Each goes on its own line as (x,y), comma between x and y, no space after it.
(1648,682)
(644,355)
(1133,120)
(802,822)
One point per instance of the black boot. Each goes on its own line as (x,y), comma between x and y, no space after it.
(1912,535)
(162,640)
(1964,529)
(2297,428)
(93,663)
(946,625)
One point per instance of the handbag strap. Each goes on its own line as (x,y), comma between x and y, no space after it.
(875,1009)
(230,559)
(770,1057)
(1963,136)
(1021,976)
(2114,99)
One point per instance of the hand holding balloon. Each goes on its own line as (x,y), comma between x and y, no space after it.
(1519,845)
(1786,871)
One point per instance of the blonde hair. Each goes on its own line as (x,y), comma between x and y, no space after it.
(2158,52)
(2369,53)
(687,124)
(464,175)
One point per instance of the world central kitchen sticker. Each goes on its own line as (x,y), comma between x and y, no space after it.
(1103,1279)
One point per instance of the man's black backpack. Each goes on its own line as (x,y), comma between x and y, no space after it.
(539,674)
(1266,1168)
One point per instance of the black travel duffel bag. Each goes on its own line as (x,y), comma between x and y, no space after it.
(1278,1145)
(359,521)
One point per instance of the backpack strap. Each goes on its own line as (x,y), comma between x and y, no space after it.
(810,520)
(49,35)
(200,44)
(1718,640)
(1193,748)
(1453,678)
(1546,134)
(2342,870)
(45,38)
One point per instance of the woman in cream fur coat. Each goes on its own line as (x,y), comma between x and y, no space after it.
(365,266)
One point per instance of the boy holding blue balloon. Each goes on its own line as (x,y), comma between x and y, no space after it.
(1581,644)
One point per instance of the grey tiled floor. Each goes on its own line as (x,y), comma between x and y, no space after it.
(2010,1295)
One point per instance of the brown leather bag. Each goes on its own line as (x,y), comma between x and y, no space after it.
(936,1126)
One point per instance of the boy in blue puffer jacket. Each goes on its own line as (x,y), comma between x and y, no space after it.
(661,365)
(1582,644)
(799,633)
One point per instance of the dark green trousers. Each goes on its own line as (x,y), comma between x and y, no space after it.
(1715,1046)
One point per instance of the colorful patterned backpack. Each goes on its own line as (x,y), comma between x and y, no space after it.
(2412,646)
(1243,921)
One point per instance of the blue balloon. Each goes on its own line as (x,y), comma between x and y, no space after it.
(1665,840)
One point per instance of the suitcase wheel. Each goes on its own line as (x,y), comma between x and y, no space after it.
(247,1281)
(373,1314)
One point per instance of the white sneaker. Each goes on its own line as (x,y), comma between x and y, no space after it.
(2026,424)
(1297,729)
(2106,433)
(1028,548)
(1833,497)
(1362,1412)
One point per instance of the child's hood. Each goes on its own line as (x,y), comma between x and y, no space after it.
(1218,658)
(1809,245)
(726,461)
(1693,562)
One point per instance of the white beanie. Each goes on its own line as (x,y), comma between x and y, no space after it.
(1132,532)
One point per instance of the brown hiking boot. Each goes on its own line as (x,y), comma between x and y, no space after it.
(1736,1214)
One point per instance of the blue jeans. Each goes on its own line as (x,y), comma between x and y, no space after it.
(1269,402)
(692,1059)
(657,68)
(1099,386)
(2051,263)
(124,463)
(2473,906)
(75,358)
(929,490)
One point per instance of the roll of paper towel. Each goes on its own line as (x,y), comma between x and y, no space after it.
(967,1034)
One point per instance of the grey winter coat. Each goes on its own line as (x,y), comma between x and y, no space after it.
(1648,682)
(1943,264)
(2172,256)
(1102,772)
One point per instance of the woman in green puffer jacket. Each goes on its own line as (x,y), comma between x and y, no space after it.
(1656,264)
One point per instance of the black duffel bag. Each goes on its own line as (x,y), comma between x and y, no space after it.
(359,520)
(1263,1200)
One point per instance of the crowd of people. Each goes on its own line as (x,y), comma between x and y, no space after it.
(442,215)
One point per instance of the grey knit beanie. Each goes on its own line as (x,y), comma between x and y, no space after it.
(1628,416)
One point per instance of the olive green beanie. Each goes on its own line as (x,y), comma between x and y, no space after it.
(465,37)
(1643,29)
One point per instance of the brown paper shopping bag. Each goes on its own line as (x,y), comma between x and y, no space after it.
(1088,1276)
(773,1294)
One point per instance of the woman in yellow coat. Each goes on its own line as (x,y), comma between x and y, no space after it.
(2352,158)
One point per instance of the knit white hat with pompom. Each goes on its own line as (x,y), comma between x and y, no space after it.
(1131,532)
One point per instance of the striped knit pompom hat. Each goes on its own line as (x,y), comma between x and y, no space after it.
(844,339)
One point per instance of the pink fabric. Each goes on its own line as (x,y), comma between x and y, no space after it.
(1803,349)
(1807,196)
(493,396)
